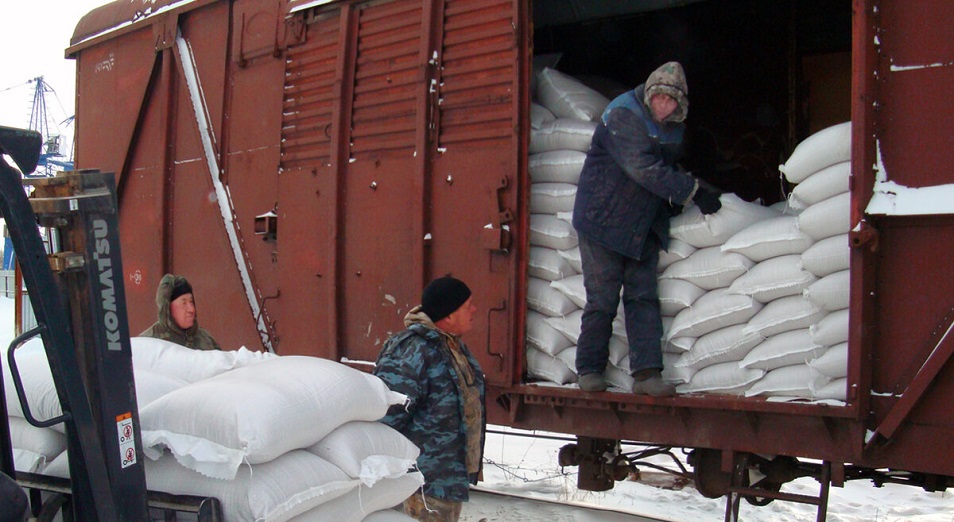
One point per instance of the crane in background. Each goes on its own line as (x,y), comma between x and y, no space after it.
(52,159)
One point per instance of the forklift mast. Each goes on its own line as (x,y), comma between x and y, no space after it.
(79,302)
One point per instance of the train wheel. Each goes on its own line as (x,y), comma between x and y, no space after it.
(767,485)
(707,475)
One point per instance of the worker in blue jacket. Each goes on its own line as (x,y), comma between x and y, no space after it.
(631,184)
(445,413)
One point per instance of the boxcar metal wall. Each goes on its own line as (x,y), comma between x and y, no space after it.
(901,271)
(379,137)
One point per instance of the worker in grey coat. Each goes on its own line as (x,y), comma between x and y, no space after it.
(631,184)
(178,320)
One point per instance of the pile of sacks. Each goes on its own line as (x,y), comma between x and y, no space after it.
(273,438)
(563,118)
(754,299)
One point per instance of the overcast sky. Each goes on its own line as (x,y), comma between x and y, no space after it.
(34,35)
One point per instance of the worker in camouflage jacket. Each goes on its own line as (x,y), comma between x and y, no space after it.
(445,413)
(630,185)
(178,321)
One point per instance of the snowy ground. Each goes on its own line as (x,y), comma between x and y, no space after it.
(528,467)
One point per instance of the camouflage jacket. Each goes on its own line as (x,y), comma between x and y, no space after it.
(166,329)
(417,363)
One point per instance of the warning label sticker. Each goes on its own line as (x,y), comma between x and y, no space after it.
(127,439)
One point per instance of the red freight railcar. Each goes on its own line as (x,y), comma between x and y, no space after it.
(311,164)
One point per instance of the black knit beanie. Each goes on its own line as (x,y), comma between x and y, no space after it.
(179,288)
(443,296)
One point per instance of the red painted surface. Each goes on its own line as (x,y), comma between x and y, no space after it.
(387,166)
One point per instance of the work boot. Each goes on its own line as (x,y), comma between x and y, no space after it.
(592,382)
(650,382)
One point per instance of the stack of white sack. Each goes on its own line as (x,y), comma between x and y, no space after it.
(754,299)
(273,438)
(773,320)
(562,124)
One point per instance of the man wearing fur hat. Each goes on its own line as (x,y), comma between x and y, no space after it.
(630,186)
(178,322)
(444,415)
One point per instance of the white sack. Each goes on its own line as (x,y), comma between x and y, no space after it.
(618,352)
(784,349)
(833,363)
(385,515)
(367,504)
(244,415)
(788,381)
(572,287)
(774,278)
(837,390)
(368,451)
(827,256)
(567,97)
(677,345)
(550,198)
(549,231)
(723,345)
(676,294)
(726,378)
(831,292)
(678,250)
(548,264)
(45,443)
(37,381)
(562,134)
(831,329)
(826,183)
(28,461)
(547,300)
(784,314)
(674,374)
(572,256)
(544,337)
(827,218)
(277,490)
(822,149)
(617,378)
(539,115)
(168,358)
(701,230)
(769,238)
(569,325)
(714,310)
(556,166)
(548,368)
(709,268)
(568,357)
(151,385)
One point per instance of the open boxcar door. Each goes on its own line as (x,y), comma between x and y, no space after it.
(400,163)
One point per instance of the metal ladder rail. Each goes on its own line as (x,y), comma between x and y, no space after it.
(738,491)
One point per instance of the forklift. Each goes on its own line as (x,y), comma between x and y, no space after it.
(78,299)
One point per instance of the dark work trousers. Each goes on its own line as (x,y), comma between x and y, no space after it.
(604,273)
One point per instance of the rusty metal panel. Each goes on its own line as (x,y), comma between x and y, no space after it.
(901,285)
(122,66)
(478,68)
(310,75)
(387,78)
(916,68)
(476,183)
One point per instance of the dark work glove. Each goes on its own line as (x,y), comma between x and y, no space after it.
(707,200)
